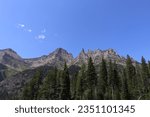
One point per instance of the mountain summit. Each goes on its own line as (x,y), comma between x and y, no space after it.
(16,72)
(56,58)
(10,58)
(9,52)
(97,56)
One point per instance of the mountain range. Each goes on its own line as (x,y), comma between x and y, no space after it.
(12,60)
(15,71)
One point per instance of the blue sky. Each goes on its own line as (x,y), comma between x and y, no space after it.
(36,27)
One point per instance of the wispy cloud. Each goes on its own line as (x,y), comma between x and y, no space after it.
(29,30)
(20,26)
(41,37)
(24,27)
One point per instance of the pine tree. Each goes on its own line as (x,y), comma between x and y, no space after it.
(91,80)
(125,90)
(58,84)
(73,82)
(48,89)
(65,84)
(116,83)
(102,81)
(131,74)
(80,83)
(145,75)
(31,90)
(110,81)
(139,87)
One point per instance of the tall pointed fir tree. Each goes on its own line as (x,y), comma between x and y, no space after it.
(131,74)
(102,81)
(139,87)
(145,76)
(116,83)
(149,66)
(91,81)
(48,89)
(65,84)
(110,80)
(80,84)
(58,84)
(125,95)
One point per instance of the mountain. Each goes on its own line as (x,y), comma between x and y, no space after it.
(56,58)
(11,59)
(60,56)
(16,72)
(97,56)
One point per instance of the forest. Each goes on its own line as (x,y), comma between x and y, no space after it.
(107,81)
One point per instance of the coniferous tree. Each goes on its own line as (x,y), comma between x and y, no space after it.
(80,83)
(73,82)
(131,74)
(48,89)
(91,80)
(58,84)
(102,81)
(125,89)
(149,66)
(65,84)
(145,75)
(139,87)
(116,83)
(32,89)
(110,80)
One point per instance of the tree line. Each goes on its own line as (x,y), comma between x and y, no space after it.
(108,81)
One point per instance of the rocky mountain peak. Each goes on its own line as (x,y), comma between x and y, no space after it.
(11,59)
(60,51)
(56,58)
(9,52)
(97,56)
(62,55)
(83,51)
(111,51)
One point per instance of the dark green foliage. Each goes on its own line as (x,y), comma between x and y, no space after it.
(91,74)
(116,83)
(80,84)
(65,93)
(145,74)
(48,89)
(91,81)
(131,76)
(58,84)
(32,89)
(102,81)
(125,89)
(146,78)
(112,82)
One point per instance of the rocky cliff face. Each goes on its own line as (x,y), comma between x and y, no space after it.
(11,59)
(57,58)
(15,71)
(97,56)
